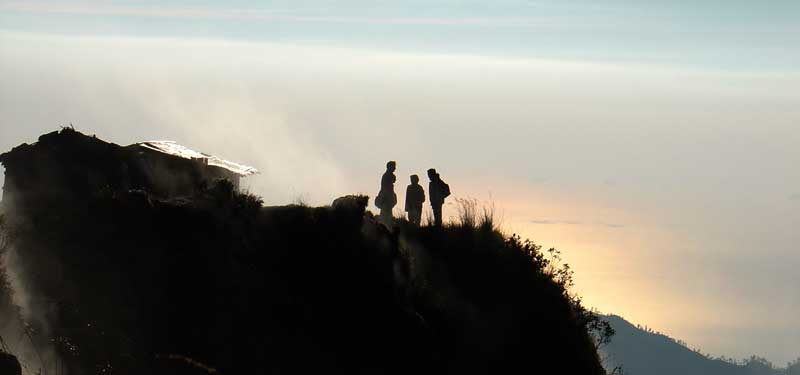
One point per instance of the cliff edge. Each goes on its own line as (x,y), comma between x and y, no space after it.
(111,275)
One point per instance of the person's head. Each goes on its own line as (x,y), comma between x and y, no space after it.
(391,166)
(432,174)
(414,179)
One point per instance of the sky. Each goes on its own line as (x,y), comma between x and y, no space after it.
(654,143)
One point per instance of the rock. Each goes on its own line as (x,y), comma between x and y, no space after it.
(9,365)
(351,203)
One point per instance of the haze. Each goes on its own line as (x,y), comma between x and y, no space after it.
(655,145)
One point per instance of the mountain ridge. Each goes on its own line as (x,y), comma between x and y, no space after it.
(640,351)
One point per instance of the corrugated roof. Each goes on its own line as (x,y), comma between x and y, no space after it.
(172,148)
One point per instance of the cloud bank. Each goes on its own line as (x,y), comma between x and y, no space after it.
(701,160)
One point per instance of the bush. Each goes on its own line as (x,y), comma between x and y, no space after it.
(470,216)
(241,288)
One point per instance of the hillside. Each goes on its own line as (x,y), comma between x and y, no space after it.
(640,352)
(107,279)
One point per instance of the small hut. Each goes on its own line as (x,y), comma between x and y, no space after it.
(69,165)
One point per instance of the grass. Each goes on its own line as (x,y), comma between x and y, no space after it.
(222,280)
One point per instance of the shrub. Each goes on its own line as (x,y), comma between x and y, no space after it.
(471,216)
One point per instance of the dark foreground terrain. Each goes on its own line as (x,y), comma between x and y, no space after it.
(122,282)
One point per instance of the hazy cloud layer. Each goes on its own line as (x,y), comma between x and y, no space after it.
(261,14)
(701,160)
(704,32)
(569,222)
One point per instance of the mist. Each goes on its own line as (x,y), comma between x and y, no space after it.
(694,170)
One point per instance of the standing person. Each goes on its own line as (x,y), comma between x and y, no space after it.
(438,190)
(415,196)
(387,199)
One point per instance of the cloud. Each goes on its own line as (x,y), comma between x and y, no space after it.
(291,15)
(223,106)
(310,119)
(570,222)
(552,222)
(611,225)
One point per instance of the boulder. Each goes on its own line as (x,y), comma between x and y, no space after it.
(351,203)
(9,365)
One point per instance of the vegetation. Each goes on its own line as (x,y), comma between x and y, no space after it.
(481,218)
(129,262)
(216,283)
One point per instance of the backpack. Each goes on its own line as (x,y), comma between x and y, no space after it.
(445,190)
(385,200)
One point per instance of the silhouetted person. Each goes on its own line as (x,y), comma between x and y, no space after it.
(415,196)
(387,199)
(438,191)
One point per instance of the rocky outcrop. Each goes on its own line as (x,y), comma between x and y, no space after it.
(129,280)
(9,365)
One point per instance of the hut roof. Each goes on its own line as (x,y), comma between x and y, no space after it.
(172,148)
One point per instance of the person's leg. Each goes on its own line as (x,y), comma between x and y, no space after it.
(437,215)
(386,216)
(414,216)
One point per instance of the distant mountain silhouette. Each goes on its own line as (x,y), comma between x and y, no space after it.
(641,352)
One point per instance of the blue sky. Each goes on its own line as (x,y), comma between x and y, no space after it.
(721,34)
(654,143)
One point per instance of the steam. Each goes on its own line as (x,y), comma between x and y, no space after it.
(25,326)
(234,109)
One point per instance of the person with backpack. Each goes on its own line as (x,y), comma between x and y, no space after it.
(415,196)
(387,199)
(438,190)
